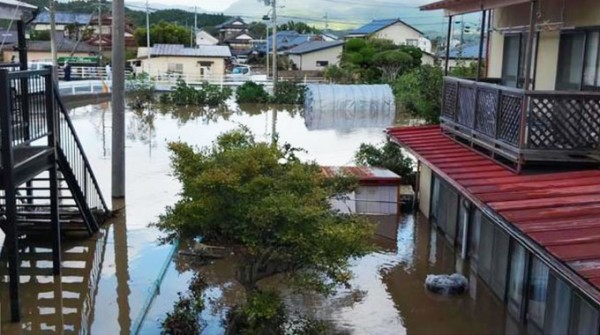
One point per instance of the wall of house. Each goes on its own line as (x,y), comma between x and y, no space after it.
(308,61)
(576,13)
(424,189)
(398,33)
(158,66)
(38,55)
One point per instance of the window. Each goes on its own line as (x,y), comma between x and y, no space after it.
(513,60)
(175,68)
(463,226)
(536,297)
(412,41)
(559,301)
(484,266)
(516,280)
(322,63)
(578,61)
(500,263)
(584,318)
(435,196)
(445,212)
(474,238)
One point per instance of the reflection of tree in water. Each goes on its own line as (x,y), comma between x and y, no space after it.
(257,109)
(141,126)
(185,114)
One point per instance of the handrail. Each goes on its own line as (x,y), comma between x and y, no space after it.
(87,168)
(485,85)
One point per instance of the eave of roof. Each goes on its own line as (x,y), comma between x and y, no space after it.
(456,7)
(359,32)
(304,49)
(555,214)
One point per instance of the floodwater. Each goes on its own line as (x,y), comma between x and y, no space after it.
(109,280)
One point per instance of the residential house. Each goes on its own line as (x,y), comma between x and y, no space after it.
(194,63)
(40,50)
(102,32)
(8,40)
(510,177)
(316,55)
(204,38)
(63,21)
(285,40)
(465,55)
(396,30)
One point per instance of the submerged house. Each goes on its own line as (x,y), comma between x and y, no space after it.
(511,176)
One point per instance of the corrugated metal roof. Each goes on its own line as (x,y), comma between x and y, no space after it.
(365,174)
(15,10)
(286,40)
(180,50)
(313,46)
(560,211)
(64,18)
(377,25)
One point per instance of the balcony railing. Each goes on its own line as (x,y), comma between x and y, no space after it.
(556,127)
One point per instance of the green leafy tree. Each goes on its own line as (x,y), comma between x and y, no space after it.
(257,29)
(163,32)
(251,92)
(389,156)
(299,27)
(207,95)
(273,209)
(40,35)
(391,63)
(419,92)
(337,75)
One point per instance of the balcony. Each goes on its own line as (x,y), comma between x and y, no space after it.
(557,127)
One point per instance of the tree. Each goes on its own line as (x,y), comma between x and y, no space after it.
(419,92)
(257,29)
(273,210)
(163,32)
(391,63)
(299,27)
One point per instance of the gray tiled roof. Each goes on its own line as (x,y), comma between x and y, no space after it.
(64,18)
(313,46)
(62,45)
(180,50)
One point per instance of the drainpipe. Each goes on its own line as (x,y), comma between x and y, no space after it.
(448,45)
(481,40)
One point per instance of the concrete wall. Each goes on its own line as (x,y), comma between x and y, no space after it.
(577,13)
(38,55)
(191,67)
(424,190)
(398,33)
(308,61)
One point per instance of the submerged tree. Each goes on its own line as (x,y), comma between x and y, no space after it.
(389,156)
(274,210)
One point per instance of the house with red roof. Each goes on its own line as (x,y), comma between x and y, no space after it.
(510,177)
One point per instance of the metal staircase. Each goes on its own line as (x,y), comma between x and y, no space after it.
(46,181)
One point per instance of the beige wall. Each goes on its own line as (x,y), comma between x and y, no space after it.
(308,61)
(577,13)
(160,65)
(424,189)
(428,59)
(398,33)
(36,56)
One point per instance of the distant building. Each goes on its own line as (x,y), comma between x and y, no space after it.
(286,39)
(8,39)
(234,33)
(396,30)
(204,38)
(104,38)
(40,50)
(316,55)
(175,59)
(461,56)
(62,20)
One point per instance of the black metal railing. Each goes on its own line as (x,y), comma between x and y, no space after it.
(70,149)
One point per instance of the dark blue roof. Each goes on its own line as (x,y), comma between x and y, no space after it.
(64,18)
(377,25)
(285,40)
(468,51)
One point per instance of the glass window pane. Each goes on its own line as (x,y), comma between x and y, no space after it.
(451,215)
(538,287)
(474,238)
(559,303)
(591,59)
(584,317)
(570,61)
(511,60)
(500,262)
(516,280)
(435,197)
(486,244)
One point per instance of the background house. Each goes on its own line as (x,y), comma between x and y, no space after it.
(230,28)
(175,59)
(461,56)
(105,38)
(204,38)
(316,55)
(62,19)
(286,40)
(396,30)
(40,50)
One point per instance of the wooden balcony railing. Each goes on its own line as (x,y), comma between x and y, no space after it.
(556,126)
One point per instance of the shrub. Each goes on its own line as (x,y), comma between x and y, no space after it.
(140,90)
(419,92)
(208,95)
(389,156)
(251,92)
(289,92)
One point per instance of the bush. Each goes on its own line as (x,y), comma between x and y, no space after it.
(337,75)
(419,92)
(140,90)
(387,156)
(251,92)
(288,92)
(185,95)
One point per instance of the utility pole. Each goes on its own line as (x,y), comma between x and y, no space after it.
(100,41)
(195,24)
(274,4)
(52,11)
(462,38)
(118,99)
(267,49)
(147,30)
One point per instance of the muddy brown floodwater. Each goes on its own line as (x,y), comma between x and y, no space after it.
(108,279)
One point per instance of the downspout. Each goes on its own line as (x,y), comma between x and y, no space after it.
(487,42)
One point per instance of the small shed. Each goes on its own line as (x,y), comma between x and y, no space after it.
(378,191)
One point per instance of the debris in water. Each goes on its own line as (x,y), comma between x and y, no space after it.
(206,251)
(447,284)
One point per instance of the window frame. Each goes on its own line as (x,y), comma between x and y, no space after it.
(585,31)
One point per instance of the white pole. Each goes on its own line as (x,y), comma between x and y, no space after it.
(274,3)
(195,25)
(147,32)
(118,99)
(53,39)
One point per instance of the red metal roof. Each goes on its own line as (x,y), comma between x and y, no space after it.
(560,211)
(366,175)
